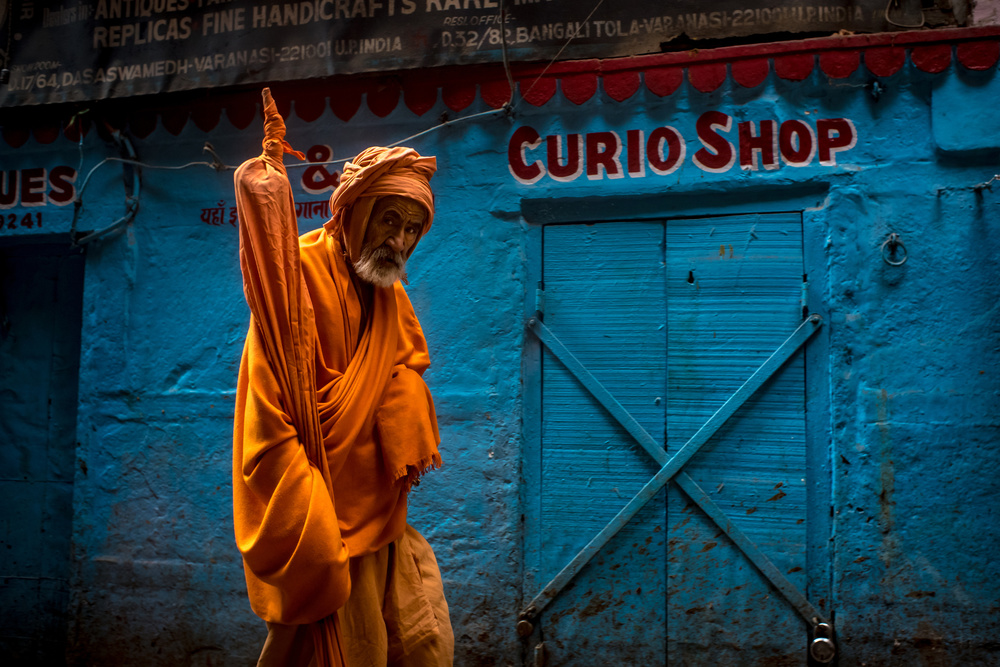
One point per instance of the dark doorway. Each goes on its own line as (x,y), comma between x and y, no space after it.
(41,297)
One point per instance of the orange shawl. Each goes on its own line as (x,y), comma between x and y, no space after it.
(332,423)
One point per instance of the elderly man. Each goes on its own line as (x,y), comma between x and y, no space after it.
(333,421)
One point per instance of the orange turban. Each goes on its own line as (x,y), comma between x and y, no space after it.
(378,172)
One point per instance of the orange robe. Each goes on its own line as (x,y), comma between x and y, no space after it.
(333,420)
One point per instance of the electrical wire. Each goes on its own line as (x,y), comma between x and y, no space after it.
(444,123)
(559,53)
(506,60)
(139,163)
(218,165)
(132,202)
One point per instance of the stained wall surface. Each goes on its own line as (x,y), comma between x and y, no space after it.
(902,396)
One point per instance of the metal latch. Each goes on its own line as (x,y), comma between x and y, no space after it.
(822,648)
(541,655)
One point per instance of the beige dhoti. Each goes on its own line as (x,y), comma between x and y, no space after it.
(396,616)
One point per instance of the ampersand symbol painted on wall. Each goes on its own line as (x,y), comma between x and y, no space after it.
(317,179)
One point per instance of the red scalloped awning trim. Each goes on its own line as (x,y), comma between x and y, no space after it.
(495,93)
(309,107)
(206,116)
(345,101)
(420,99)
(885,60)
(705,77)
(621,85)
(978,55)
(459,95)
(15,137)
(841,64)
(578,88)
(794,66)
(751,72)
(838,57)
(142,123)
(383,98)
(174,119)
(663,81)
(933,58)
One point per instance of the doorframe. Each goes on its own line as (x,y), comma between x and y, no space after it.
(806,199)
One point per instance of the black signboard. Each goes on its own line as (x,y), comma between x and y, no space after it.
(79,50)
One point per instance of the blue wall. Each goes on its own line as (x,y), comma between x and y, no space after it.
(904,400)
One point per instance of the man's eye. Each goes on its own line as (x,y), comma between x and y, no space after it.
(411,230)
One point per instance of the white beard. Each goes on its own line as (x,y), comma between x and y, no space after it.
(380,266)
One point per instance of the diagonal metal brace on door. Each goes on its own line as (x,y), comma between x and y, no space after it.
(671,467)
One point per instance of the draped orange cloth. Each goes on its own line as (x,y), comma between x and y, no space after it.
(333,420)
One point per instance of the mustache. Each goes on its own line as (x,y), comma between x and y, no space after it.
(381,266)
(387,254)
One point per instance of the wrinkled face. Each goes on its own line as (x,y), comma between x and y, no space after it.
(396,222)
(393,229)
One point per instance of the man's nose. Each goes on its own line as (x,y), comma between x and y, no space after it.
(397,241)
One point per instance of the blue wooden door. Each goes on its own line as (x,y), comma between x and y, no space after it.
(670,318)
(41,288)
(605,299)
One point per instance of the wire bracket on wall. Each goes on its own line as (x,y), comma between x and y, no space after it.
(217,164)
(977,188)
(133,187)
(987,185)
